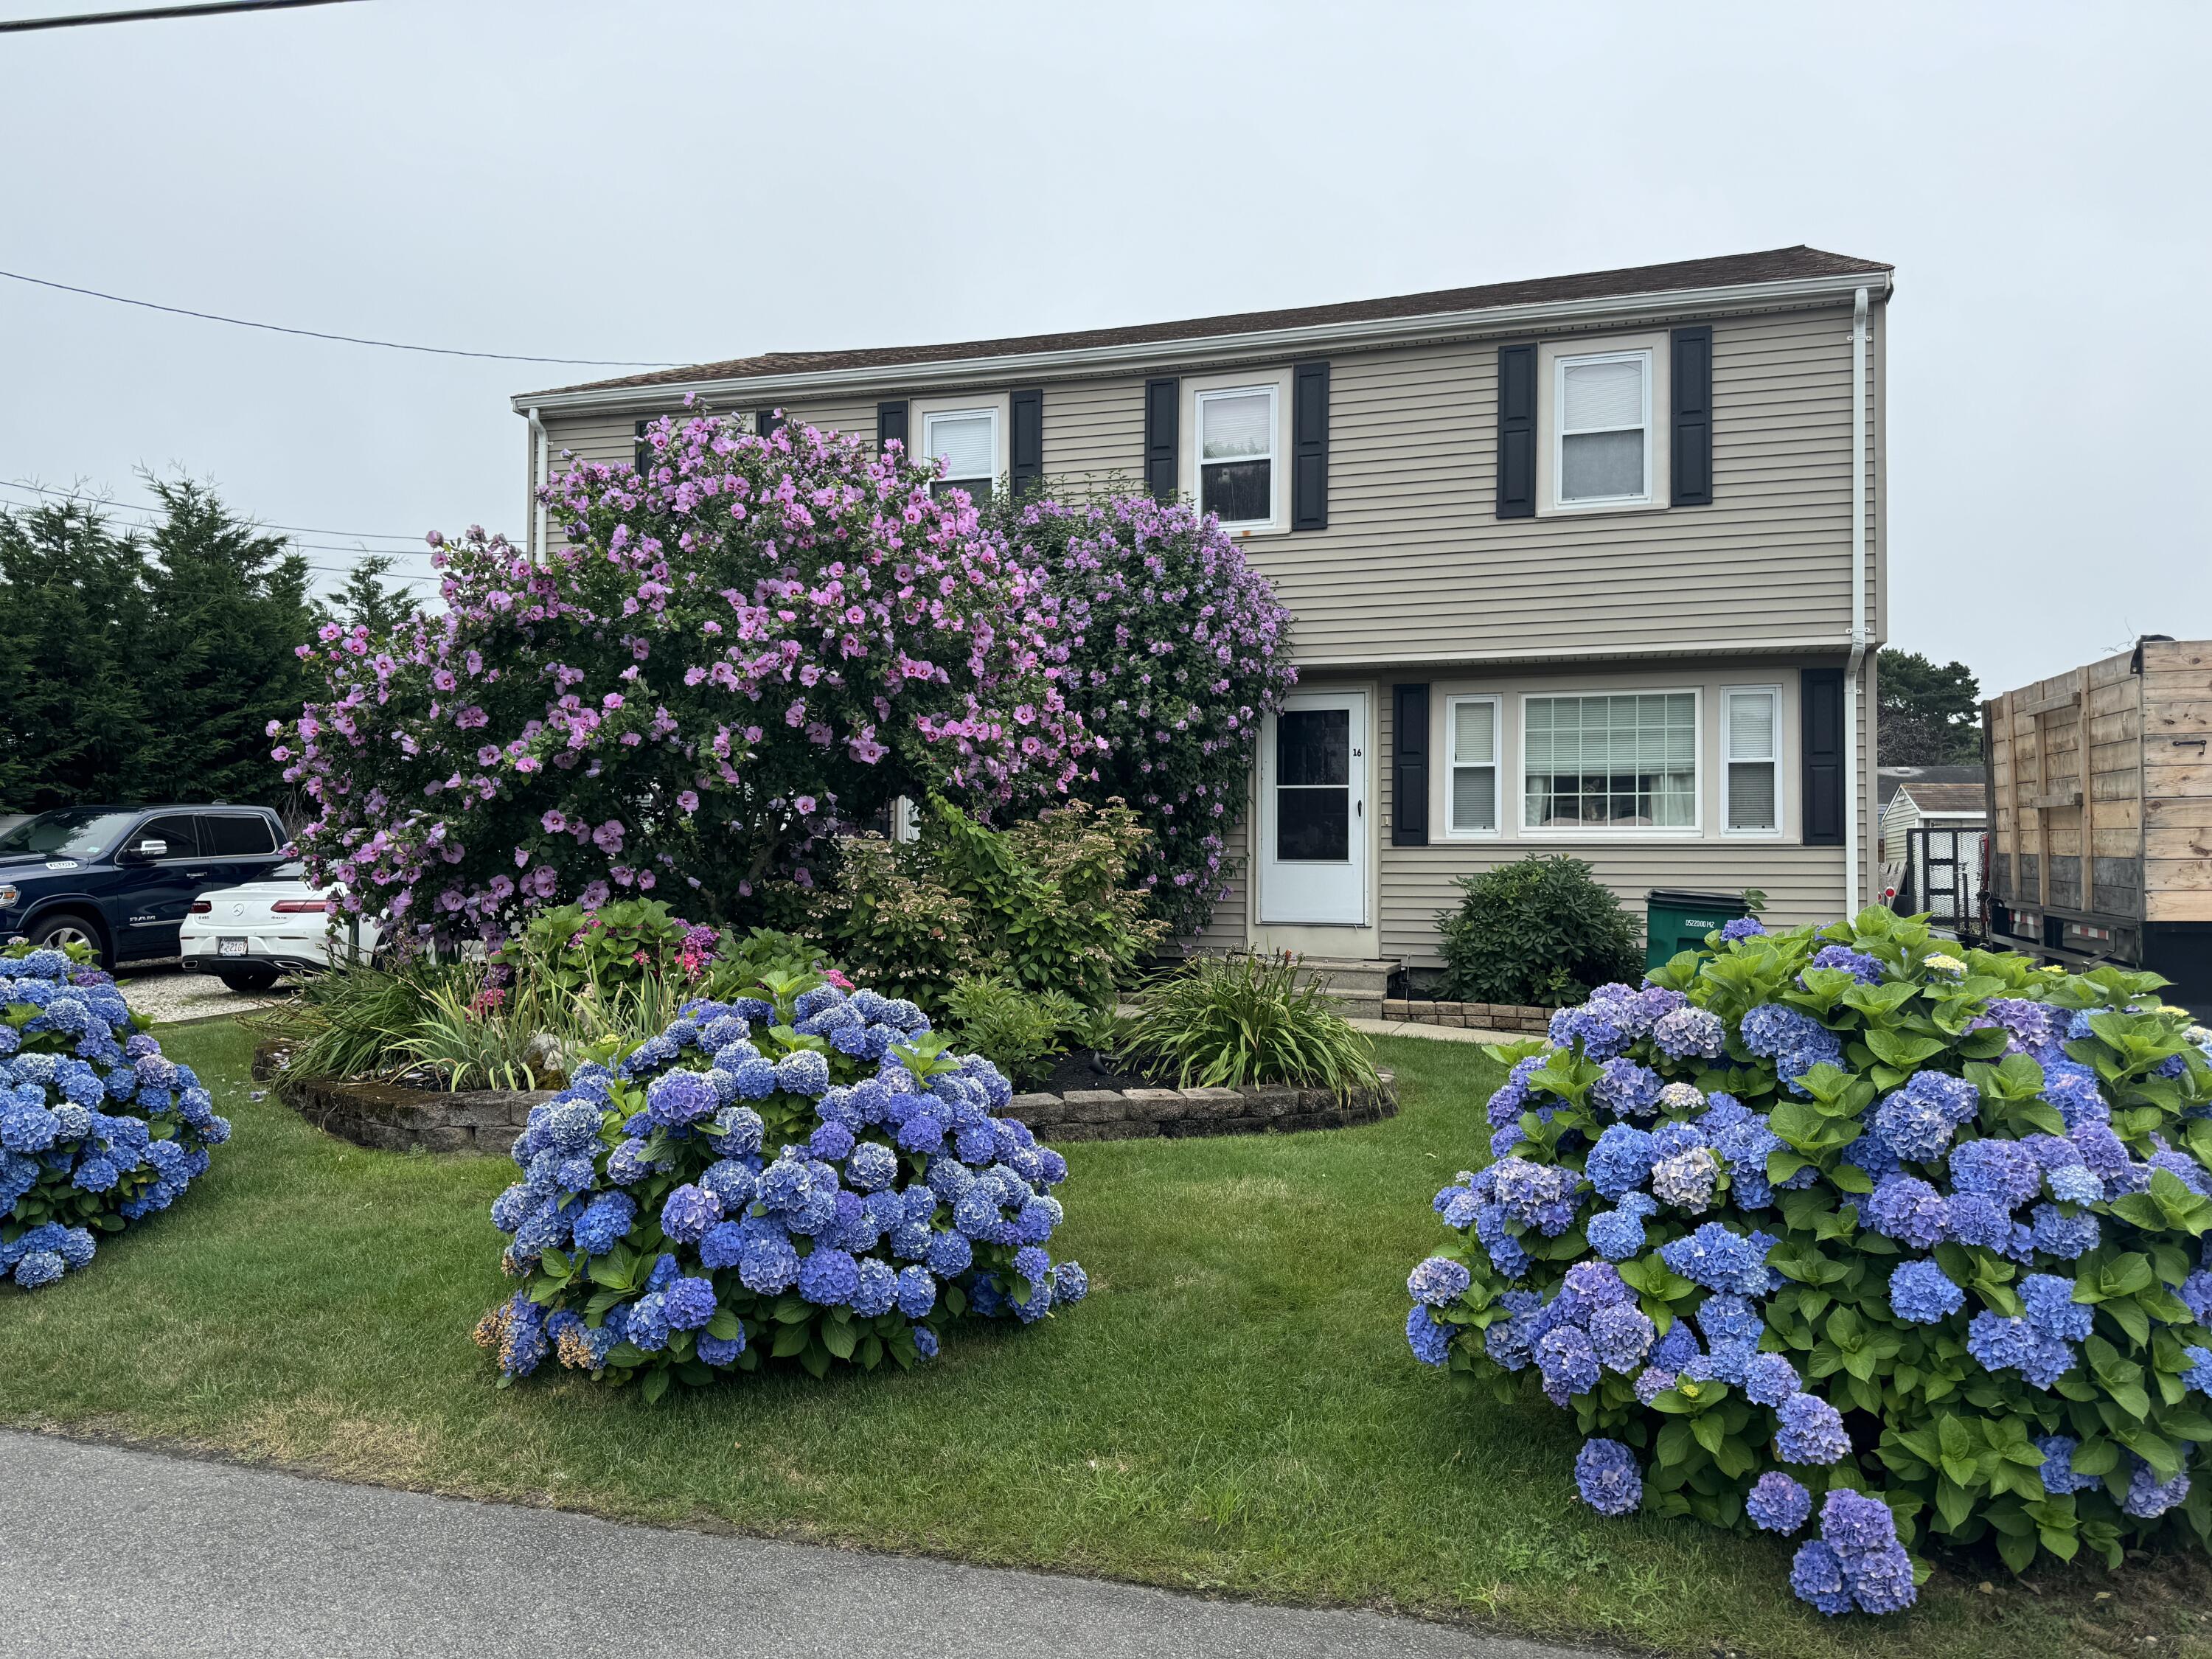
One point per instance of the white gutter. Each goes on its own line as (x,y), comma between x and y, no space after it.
(1858,603)
(541,466)
(1127,356)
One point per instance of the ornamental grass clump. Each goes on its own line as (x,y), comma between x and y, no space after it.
(1819,1218)
(97,1128)
(803,1176)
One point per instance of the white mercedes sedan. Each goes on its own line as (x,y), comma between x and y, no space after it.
(248,936)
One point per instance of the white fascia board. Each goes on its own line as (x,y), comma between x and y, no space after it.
(1133,355)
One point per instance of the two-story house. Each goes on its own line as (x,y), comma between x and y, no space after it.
(1588,564)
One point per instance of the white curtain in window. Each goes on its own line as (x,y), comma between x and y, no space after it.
(1602,395)
(1235,426)
(966,444)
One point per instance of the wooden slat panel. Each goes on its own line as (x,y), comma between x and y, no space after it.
(2170,906)
(2167,778)
(2182,811)
(2177,683)
(2185,716)
(2179,875)
(2178,842)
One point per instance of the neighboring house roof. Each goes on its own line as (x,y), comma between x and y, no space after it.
(1946,799)
(1777,265)
(1893,777)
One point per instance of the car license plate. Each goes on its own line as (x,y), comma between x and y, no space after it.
(230,947)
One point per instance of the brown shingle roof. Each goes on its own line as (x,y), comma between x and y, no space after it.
(1774,266)
(1948,796)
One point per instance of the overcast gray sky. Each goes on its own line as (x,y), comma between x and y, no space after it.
(686,181)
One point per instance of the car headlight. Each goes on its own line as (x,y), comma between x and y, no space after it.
(10,896)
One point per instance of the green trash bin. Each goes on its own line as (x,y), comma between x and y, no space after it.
(1674,921)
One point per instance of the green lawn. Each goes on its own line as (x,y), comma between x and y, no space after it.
(1232,1411)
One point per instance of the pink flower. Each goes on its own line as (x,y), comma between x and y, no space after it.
(688,800)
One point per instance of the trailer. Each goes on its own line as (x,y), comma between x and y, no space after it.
(2100,797)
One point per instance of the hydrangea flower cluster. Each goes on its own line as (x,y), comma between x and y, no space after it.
(1797,1175)
(810,1178)
(730,658)
(98,1128)
(1177,651)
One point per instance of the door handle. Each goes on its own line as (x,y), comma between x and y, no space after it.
(196,875)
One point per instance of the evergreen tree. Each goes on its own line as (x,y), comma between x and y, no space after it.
(1931,716)
(72,702)
(145,666)
(366,602)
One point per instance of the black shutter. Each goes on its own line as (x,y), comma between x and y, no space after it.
(1025,445)
(1409,766)
(1517,432)
(768,422)
(1821,701)
(1310,447)
(890,423)
(1163,401)
(1691,441)
(640,451)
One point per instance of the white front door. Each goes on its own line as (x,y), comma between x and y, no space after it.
(1313,810)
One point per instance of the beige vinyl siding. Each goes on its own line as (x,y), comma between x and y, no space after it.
(1094,432)
(1415,563)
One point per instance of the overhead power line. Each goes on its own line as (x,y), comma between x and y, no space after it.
(155,506)
(156,13)
(318,334)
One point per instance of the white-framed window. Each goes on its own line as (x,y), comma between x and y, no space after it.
(1601,429)
(1609,761)
(1751,752)
(1471,738)
(1237,469)
(967,441)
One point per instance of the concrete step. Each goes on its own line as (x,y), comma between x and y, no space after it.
(1356,984)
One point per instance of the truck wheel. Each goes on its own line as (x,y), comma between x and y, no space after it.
(247,981)
(52,932)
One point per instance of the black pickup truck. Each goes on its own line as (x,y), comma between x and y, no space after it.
(121,878)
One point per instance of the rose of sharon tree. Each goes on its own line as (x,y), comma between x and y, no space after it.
(1177,651)
(742,652)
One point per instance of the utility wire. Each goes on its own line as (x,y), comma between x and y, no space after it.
(151,507)
(155,14)
(318,334)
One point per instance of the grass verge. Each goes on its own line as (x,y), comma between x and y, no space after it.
(1233,1411)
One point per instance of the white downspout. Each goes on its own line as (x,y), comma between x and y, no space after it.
(1858,603)
(539,471)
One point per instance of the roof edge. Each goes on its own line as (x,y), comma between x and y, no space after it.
(1133,355)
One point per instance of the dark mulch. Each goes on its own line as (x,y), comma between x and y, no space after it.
(1085,1069)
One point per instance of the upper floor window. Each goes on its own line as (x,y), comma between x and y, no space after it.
(1236,454)
(1601,436)
(1751,734)
(1617,761)
(967,441)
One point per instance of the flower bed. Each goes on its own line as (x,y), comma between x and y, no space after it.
(813,1179)
(1834,1213)
(97,1129)
(391,1117)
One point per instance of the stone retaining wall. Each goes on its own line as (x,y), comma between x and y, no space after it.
(1478,1016)
(391,1119)
(1127,1114)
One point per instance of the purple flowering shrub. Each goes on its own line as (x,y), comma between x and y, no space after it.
(1819,1219)
(97,1128)
(803,1176)
(737,655)
(1178,649)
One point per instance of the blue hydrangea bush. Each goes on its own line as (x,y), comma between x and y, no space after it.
(804,1176)
(1818,1218)
(97,1128)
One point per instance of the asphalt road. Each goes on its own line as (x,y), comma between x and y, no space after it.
(106,1551)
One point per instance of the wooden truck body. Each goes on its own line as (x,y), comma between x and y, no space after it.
(2101,797)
